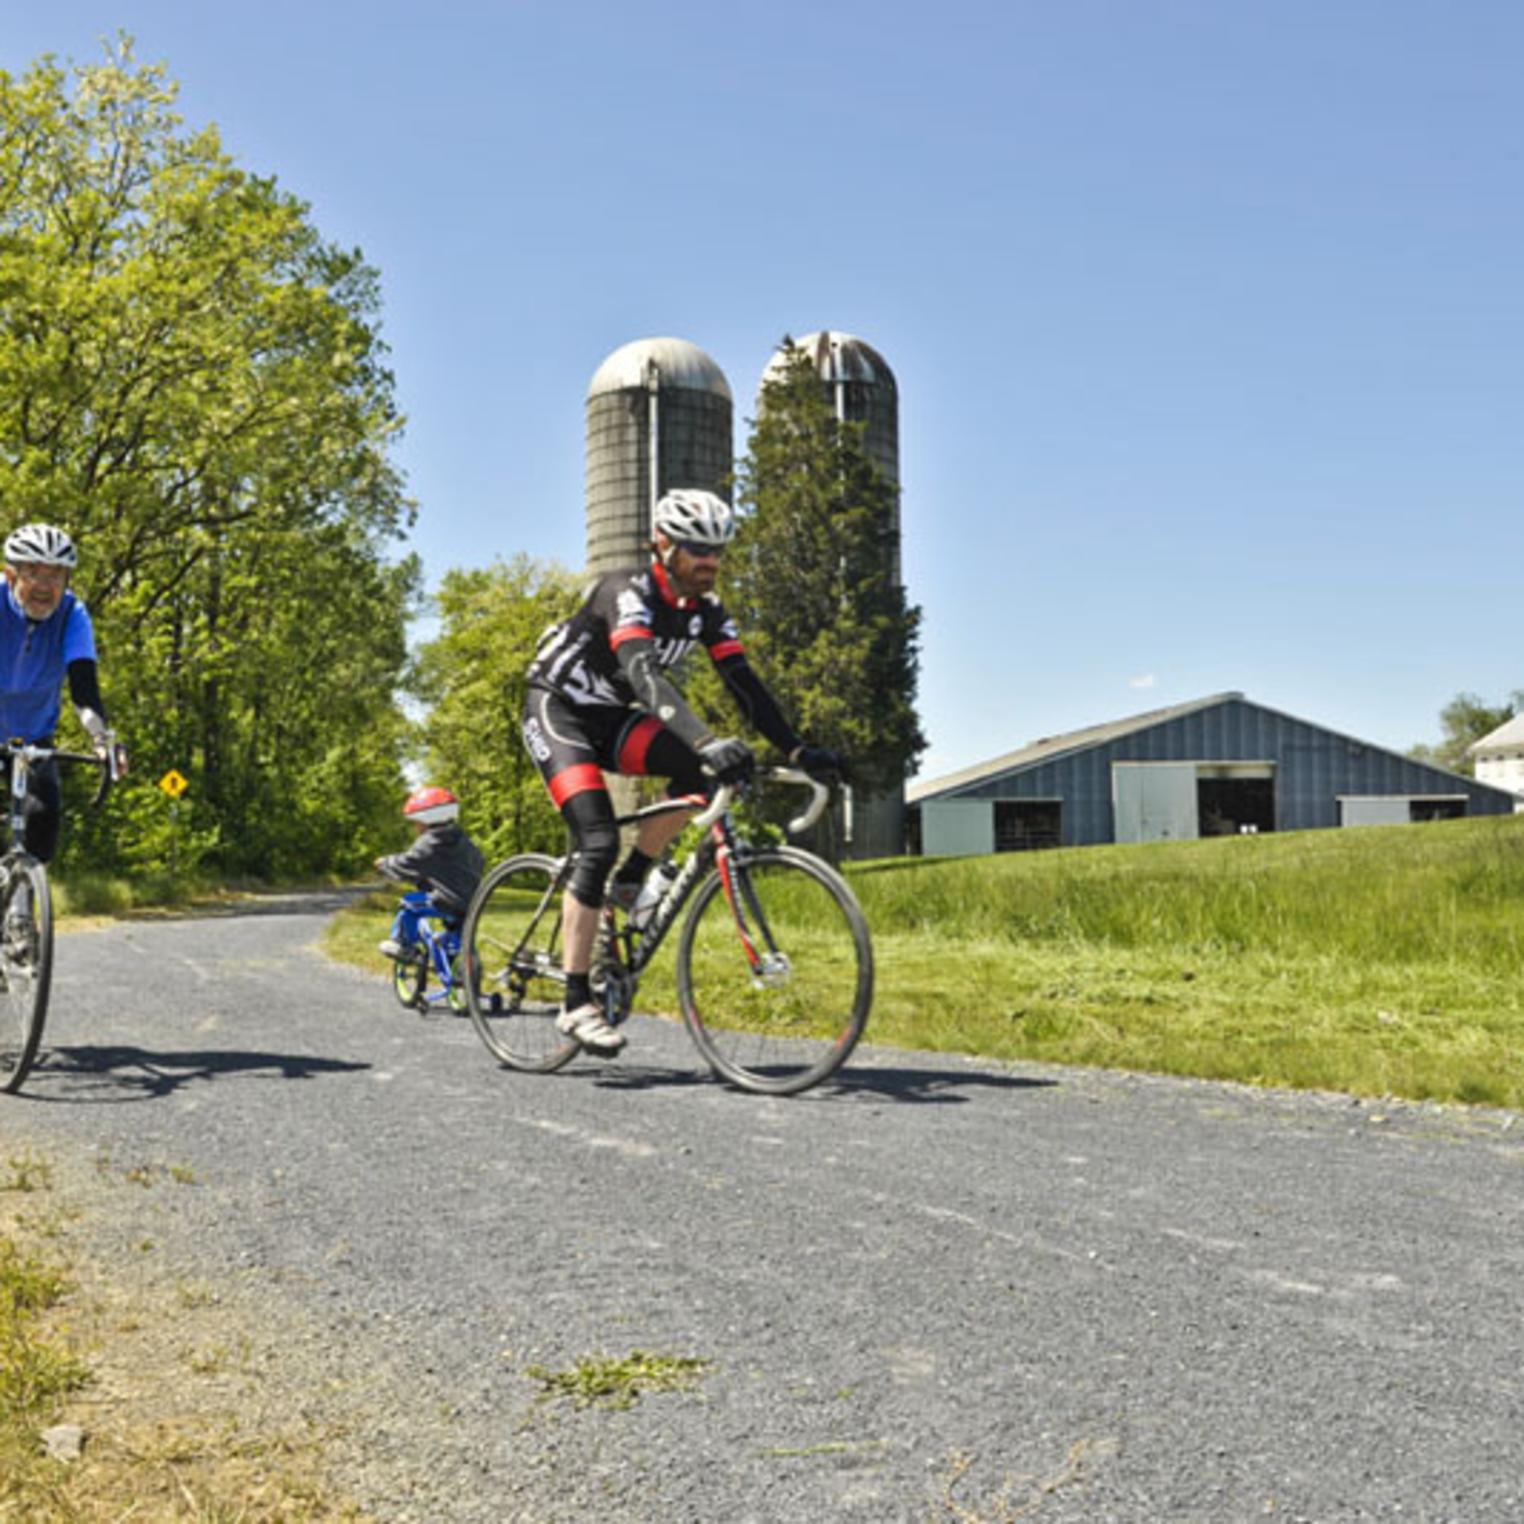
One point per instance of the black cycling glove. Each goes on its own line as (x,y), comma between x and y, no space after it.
(728,759)
(822,763)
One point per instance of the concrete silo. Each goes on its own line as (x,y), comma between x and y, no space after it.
(862,390)
(659,415)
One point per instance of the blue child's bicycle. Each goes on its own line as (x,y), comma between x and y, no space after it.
(430,945)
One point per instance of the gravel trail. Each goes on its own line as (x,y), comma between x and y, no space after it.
(940,1289)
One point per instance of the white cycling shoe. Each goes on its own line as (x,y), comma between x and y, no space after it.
(587,1025)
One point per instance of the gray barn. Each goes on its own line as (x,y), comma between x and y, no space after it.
(1218,766)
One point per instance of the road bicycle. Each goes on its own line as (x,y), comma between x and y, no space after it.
(774,960)
(430,944)
(26,918)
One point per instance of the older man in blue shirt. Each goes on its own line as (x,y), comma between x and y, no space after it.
(46,638)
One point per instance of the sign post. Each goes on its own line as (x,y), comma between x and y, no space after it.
(174,784)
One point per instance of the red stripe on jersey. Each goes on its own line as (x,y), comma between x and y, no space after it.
(576,779)
(665,588)
(632,755)
(723,648)
(628,632)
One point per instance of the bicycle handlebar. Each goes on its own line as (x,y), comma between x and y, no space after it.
(725,793)
(43,753)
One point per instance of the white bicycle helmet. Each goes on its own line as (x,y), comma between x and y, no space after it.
(698,517)
(42,545)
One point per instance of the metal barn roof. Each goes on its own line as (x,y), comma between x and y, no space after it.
(1048,747)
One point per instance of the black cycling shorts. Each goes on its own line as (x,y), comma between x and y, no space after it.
(574,746)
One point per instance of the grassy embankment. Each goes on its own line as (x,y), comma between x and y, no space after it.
(1386,960)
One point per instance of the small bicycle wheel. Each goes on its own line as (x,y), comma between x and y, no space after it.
(26,967)
(775,971)
(409,975)
(514,982)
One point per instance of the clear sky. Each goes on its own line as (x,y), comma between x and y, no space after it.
(1207,315)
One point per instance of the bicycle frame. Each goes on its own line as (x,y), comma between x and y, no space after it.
(440,948)
(626,951)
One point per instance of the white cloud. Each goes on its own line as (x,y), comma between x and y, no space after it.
(1147,680)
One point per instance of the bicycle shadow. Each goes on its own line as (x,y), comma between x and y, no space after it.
(910,1086)
(120,1073)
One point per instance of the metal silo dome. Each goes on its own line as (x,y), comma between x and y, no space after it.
(659,415)
(862,388)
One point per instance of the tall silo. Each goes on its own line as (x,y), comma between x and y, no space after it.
(658,416)
(862,390)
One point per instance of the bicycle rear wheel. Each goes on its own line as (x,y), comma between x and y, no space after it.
(514,981)
(26,967)
(775,971)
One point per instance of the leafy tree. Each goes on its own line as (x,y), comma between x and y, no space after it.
(193,382)
(472,678)
(1463,721)
(810,581)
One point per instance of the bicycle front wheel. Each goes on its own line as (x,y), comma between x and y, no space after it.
(409,975)
(514,980)
(26,968)
(775,971)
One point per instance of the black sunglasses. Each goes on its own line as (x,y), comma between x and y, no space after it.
(695,548)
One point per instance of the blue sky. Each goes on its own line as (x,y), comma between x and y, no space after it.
(1207,317)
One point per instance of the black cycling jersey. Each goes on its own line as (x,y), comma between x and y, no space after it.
(579,659)
(631,626)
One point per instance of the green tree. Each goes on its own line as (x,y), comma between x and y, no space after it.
(193,382)
(810,580)
(471,676)
(1464,720)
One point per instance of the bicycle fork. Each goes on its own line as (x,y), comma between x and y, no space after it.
(770,966)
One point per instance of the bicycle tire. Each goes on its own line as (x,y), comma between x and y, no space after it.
(511,947)
(409,975)
(26,967)
(790,1026)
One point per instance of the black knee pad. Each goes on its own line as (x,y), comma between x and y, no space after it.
(591,819)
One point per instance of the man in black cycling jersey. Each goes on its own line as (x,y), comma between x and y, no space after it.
(598,701)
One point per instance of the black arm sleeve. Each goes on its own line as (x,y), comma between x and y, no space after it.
(756,703)
(657,696)
(85,686)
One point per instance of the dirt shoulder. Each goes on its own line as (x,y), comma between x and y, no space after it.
(204,1401)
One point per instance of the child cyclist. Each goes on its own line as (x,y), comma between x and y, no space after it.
(443,862)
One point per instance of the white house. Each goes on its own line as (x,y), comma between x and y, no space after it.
(1500,757)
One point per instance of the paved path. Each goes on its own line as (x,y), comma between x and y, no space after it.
(939,1289)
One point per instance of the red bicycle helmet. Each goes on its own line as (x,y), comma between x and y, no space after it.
(431,806)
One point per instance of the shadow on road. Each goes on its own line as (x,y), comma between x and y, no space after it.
(922,1086)
(112,1074)
(940,1086)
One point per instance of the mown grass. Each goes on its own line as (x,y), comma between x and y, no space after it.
(1386,960)
(1378,961)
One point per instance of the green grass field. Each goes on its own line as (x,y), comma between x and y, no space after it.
(1386,960)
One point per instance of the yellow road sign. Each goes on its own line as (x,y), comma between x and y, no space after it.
(173,784)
